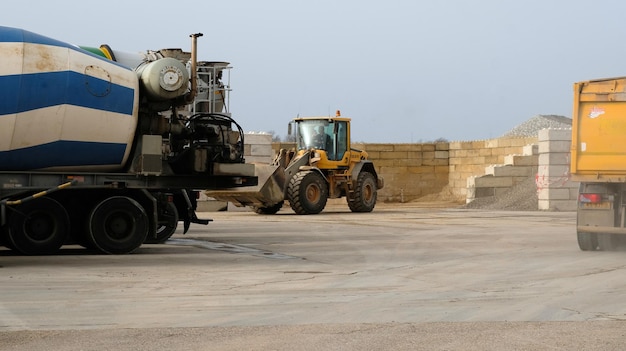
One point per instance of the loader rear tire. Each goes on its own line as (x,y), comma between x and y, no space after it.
(307,192)
(364,196)
(270,210)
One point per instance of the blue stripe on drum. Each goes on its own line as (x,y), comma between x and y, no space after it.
(62,153)
(16,35)
(25,92)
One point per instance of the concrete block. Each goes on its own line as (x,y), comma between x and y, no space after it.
(456,145)
(556,205)
(406,162)
(555,134)
(442,169)
(435,162)
(508,170)
(553,194)
(491,181)
(504,142)
(407,147)
(376,147)
(442,154)
(554,182)
(420,170)
(492,143)
(530,149)
(519,142)
(554,171)
(555,158)
(442,146)
(484,192)
(520,160)
(393,155)
(554,146)
(476,160)
(255,138)
(261,150)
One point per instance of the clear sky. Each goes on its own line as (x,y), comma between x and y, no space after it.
(404,71)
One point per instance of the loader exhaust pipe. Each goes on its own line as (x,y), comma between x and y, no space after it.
(194,67)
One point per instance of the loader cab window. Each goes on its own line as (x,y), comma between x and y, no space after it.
(341,140)
(314,135)
(328,135)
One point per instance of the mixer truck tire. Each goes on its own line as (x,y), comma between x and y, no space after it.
(307,192)
(168,222)
(38,227)
(270,210)
(117,225)
(587,241)
(363,198)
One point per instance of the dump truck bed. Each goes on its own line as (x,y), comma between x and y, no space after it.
(599,131)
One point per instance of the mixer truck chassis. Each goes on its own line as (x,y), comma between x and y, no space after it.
(109,212)
(109,149)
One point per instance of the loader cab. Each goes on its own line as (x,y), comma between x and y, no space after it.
(330,135)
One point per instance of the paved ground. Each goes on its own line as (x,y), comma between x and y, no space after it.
(403,277)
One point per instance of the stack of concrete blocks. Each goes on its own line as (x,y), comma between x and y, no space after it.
(499,179)
(257,148)
(555,190)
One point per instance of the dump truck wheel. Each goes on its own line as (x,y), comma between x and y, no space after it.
(168,222)
(118,225)
(270,210)
(610,242)
(365,193)
(587,241)
(307,192)
(38,227)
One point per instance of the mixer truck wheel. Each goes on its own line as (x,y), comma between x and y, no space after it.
(307,192)
(364,196)
(270,210)
(168,221)
(38,226)
(118,225)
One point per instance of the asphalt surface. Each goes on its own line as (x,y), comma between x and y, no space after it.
(404,277)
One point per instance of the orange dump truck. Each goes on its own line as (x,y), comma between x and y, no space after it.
(599,162)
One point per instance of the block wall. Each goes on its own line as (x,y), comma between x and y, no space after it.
(412,171)
(470,158)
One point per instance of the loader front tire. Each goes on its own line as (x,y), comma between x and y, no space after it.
(307,192)
(364,196)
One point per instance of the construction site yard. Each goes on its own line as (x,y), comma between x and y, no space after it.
(416,276)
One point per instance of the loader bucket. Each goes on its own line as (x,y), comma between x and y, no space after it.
(268,192)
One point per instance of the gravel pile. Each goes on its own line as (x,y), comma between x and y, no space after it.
(531,127)
(522,196)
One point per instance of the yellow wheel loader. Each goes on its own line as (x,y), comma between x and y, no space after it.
(322,166)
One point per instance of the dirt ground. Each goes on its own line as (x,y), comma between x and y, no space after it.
(404,277)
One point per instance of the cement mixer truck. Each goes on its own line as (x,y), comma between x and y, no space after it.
(109,149)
